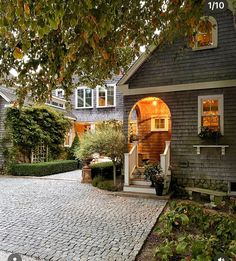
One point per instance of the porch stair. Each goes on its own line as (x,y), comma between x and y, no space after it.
(139,189)
(134,178)
(140,185)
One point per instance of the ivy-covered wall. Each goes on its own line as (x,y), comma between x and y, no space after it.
(29,127)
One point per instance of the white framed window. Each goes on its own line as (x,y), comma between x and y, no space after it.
(206,35)
(160,123)
(211,112)
(56,102)
(106,96)
(83,98)
(60,93)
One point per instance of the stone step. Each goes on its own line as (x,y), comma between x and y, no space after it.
(139,189)
(139,181)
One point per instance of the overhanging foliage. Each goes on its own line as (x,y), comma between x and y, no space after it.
(47,42)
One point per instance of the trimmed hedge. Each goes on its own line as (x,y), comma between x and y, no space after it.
(43,168)
(103,169)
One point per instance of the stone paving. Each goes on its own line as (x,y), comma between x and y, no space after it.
(62,219)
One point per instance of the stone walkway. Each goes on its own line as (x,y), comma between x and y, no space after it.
(58,218)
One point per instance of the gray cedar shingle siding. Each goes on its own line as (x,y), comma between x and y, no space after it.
(170,65)
(99,114)
(210,168)
(210,164)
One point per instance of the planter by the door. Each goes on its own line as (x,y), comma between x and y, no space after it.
(159,188)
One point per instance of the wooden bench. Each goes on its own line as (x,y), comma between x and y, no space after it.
(215,196)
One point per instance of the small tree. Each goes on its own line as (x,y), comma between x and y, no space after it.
(75,145)
(107,140)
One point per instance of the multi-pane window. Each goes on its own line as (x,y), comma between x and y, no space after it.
(211,112)
(206,34)
(106,96)
(84,97)
(160,123)
(60,93)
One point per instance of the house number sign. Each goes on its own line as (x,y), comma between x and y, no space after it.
(216,6)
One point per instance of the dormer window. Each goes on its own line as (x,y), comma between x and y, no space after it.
(206,34)
(60,93)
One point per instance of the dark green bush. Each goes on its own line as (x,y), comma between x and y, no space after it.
(99,182)
(103,169)
(96,180)
(43,168)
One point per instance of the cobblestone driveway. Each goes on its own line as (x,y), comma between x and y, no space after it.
(62,219)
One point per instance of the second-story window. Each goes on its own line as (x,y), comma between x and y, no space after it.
(84,98)
(206,34)
(60,93)
(106,96)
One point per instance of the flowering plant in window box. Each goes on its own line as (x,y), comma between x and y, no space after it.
(207,133)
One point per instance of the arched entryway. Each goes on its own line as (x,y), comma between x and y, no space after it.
(149,123)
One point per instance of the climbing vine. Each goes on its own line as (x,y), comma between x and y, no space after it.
(29,127)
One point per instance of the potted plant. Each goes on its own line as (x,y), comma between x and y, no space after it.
(153,172)
(209,134)
(159,183)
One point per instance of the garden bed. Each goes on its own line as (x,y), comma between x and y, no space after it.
(188,231)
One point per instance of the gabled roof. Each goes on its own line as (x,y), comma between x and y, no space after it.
(8,94)
(134,67)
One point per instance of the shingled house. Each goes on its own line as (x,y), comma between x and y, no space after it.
(88,107)
(170,94)
(92,106)
(8,98)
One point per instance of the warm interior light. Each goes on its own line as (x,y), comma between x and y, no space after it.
(154,103)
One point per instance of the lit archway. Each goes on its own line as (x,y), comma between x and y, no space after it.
(149,123)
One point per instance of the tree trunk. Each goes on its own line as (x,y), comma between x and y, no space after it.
(114,173)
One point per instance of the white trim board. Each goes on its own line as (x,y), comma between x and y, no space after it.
(179,87)
(4,97)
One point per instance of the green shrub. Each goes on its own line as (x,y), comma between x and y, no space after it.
(103,169)
(43,168)
(101,183)
(188,231)
(107,185)
(75,145)
(96,180)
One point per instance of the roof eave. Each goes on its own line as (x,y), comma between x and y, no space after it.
(137,64)
(5,97)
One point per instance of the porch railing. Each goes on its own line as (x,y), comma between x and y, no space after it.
(131,162)
(165,159)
